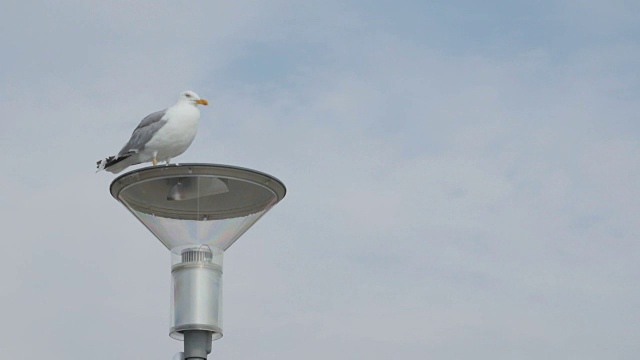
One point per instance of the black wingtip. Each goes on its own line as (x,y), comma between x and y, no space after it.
(110,161)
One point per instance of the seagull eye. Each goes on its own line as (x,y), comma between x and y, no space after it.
(188,95)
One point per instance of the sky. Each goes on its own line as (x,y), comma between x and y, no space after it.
(463,177)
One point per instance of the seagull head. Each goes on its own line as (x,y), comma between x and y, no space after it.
(192,98)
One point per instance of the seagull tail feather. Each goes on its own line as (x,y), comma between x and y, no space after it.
(110,163)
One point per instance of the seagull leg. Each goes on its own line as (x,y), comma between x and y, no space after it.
(167,161)
(154,161)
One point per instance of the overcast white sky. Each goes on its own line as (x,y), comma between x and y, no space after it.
(463,176)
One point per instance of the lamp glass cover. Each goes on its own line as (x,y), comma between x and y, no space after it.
(191,204)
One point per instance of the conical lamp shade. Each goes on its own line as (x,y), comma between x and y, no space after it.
(191,204)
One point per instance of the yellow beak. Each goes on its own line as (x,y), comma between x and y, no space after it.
(202,102)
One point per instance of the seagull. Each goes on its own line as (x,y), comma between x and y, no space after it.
(160,136)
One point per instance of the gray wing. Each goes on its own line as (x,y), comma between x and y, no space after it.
(143,133)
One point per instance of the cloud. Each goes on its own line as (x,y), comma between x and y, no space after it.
(443,201)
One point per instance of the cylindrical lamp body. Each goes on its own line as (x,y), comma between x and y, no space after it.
(196,290)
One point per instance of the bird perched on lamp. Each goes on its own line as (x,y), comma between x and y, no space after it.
(160,136)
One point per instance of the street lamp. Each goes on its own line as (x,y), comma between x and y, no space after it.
(197,211)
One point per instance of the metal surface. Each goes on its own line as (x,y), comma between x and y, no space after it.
(197,293)
(197,345)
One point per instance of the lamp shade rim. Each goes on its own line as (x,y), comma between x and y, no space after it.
(195,169)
